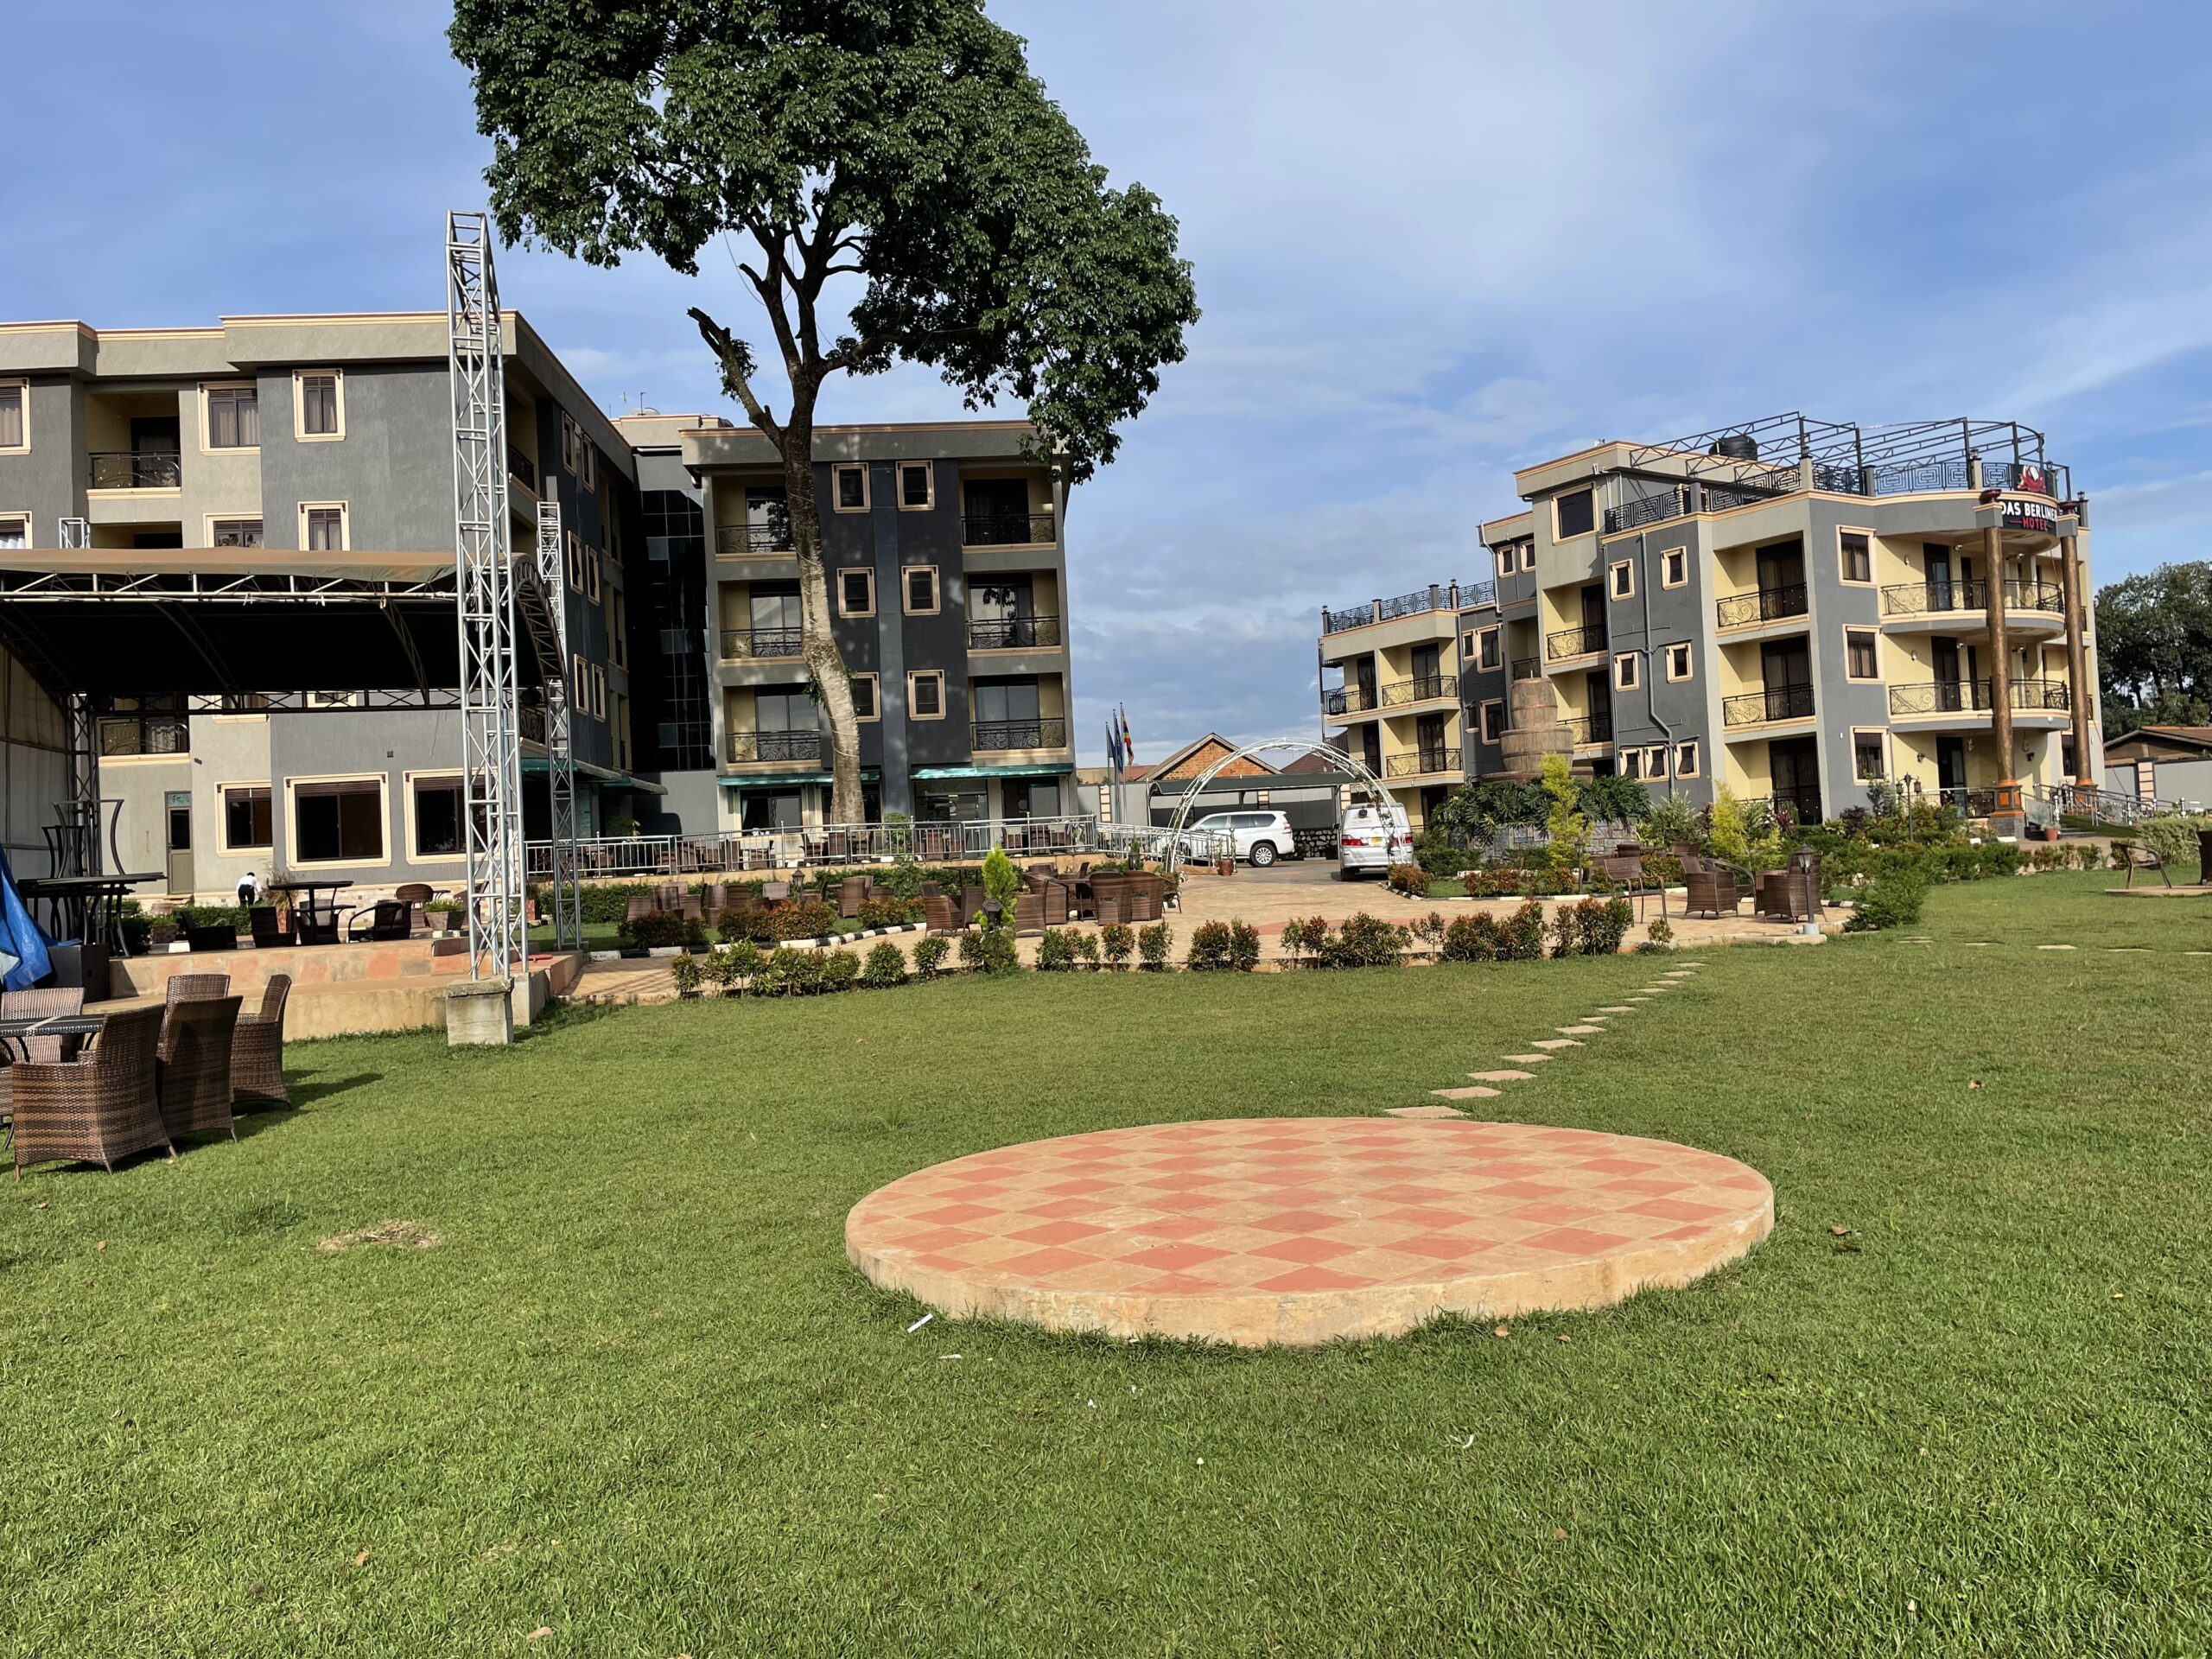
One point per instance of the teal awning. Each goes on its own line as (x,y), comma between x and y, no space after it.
(784,779)
(923,773)
(537,766)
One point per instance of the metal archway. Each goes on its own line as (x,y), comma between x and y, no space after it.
(1368,784)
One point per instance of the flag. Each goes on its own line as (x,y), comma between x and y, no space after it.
(1129,743)
(1113,749)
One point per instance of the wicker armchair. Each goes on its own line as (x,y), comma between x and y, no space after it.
(1713,888)
(940,914)
(387,920)
(41,1005)
(258,1051)
(197,987)
(99,1109)
(851,892)
(268,933)
(1028,913)
(415,895)
(215,937)
(194,1070)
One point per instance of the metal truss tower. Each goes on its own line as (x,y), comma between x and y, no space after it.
(548,626)
(484,586)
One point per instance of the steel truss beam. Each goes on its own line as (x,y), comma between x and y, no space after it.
(484,604)
(227,587)
(547,615)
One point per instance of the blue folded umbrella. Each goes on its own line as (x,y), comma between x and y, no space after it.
(22,943)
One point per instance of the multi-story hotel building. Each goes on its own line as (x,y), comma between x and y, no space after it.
(294,440)
(1791,609)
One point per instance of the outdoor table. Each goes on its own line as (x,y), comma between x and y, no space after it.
(304,907)
(71,1027)
(87,908)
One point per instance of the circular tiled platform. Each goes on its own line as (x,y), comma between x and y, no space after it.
(1301,1229)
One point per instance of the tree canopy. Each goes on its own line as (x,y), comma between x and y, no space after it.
(2154,648)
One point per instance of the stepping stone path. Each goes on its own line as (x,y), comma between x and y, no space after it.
(1472,1091)
(1578,1031)
(1616,1008)
(1423,1111)
(1531,1060)
(1500,1077)
(1558,1042)
(2054,947)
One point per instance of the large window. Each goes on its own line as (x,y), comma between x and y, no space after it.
(234,532)
(917,485)
(436,816)
(233,417)
(338,822)
(246,818)
(1869,756)
(770,809)
(319,404)
(856,592)
(866,703)
(921,589)
(1860,659)
(15,530)
(14,415)
(849,482)
(323,526)
(1574,515)
(1855,556)
(925,695)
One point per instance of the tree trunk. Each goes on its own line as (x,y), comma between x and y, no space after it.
(818,646)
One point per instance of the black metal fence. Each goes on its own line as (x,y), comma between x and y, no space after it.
(134,472)
(1767,605)
(737,643)
(1014,634)
(1049,733)
(1006,529)
(745,746)
(1775,703)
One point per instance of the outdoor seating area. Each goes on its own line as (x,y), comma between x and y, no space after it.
(97,1087)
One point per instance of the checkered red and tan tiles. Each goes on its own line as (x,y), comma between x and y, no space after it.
(1290,1206)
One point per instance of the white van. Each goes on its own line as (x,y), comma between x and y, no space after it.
(1373,838)
(1260,837)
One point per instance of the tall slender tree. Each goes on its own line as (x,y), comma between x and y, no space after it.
(902,190)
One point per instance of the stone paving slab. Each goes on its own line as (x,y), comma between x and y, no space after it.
(1472,1091)
(1557,1042)
(1302,1231)
(1501,1076)
(1531,1060)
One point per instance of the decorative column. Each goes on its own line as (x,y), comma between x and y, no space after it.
(2008,817)
(2077,640)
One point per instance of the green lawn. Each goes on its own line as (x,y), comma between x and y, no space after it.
(638,1398)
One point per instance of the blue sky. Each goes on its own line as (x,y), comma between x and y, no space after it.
(1429,253)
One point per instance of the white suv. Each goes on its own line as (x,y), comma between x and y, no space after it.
(1261,837)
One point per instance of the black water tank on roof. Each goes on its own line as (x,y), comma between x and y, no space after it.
(1736,446)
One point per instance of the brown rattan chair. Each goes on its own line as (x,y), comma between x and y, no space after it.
(637,906)
(269,933)
(196,988)
(99,1108)
(258,1051)
(219,936)
(939,915)
(1713,888)
(385,921)
(194,1054)
(1028,913)
(971,905)
(415,895)
(850,893)
(41,1005)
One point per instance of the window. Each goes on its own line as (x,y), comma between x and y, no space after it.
(572,445)
(921,589)
(1572,514)
(233,417)
(1654,761)
(234,532)
(15,530)
(917,486)
(867,705)
(587,452)
(1486,648)
(925,695)
(591,574)
(617,629)
(1631,762)
(856,592)
(1625,671)
(339,822)
(574,561)
(599,691)
(15,415)
(1507,561)
(318,405)
(323,526)
(1527,556)
(1679,662)
(1492,715)
(246,818)
(1860,661)
(1624,579)
(1675,568)
(849,487)
(1857,557)
(434,815)
(1869,756)
(1686,759)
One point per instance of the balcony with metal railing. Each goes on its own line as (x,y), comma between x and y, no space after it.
(1449,596)
(1587,730)
(1766,604)
(754,541)
(1348,700)
(1422,763)
(1568,643)
(1014,634)
(1775,703)
(135,472)
(1963,697)
(1528,668)
(751,645)
(1938,598)
(1425,688)
(1047,732)
(748,748)
(1006,529)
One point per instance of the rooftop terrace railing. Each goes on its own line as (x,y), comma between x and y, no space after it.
(1450,596)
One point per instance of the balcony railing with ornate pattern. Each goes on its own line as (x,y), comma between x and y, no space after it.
(1049,733)
(1014,634)
(1975,696)
(1590,728)
(735,540)
(1446,596)
(1348,700)
(1422,762)
(1420,688)
(1767,605)
(1965,593)
(744,644)
(749,746)
(1574,642)
(1528,668)
(1760,708)
(1006,529)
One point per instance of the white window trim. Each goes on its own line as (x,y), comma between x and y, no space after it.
(1689,672)
(1496,632)
(1654,761)
(29,523)
(591,574)
(845,571)
(1559,500)
(1873,574)
(1618,572)
(383,782)
(1527,556)
(1690,770)
(876,681)
(1629,763)
(914,674)
(1627,681)
(415,855)
(906,593)
(836,493)
(299,433)
(1882,732)
(245,516)
(207,426)
(1490,731)
(1508,561)
(223,818)
(345,523)
(1877,678)
(23,386)
(1671,553)
(929,472)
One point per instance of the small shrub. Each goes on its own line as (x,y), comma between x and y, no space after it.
(888,912)
(1155,941)
(732,964)
(1117,941)
(684,972)
(1001,881)
(929,952)
(1892,899)
(1429,929)
(800,918)
(1055,954)
(886,966)
(1244,947)
(1366,941)
(990,950)
(661,930)
(1410,880)
(840,969)
(1659,931)
(1086,947)
(1522,934)
(1473,938)
(786,972)
(1293,938)
(1209,950)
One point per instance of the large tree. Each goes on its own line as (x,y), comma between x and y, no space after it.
(901,189)
(2154,648)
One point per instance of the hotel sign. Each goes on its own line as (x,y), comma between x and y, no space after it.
(2028,513)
